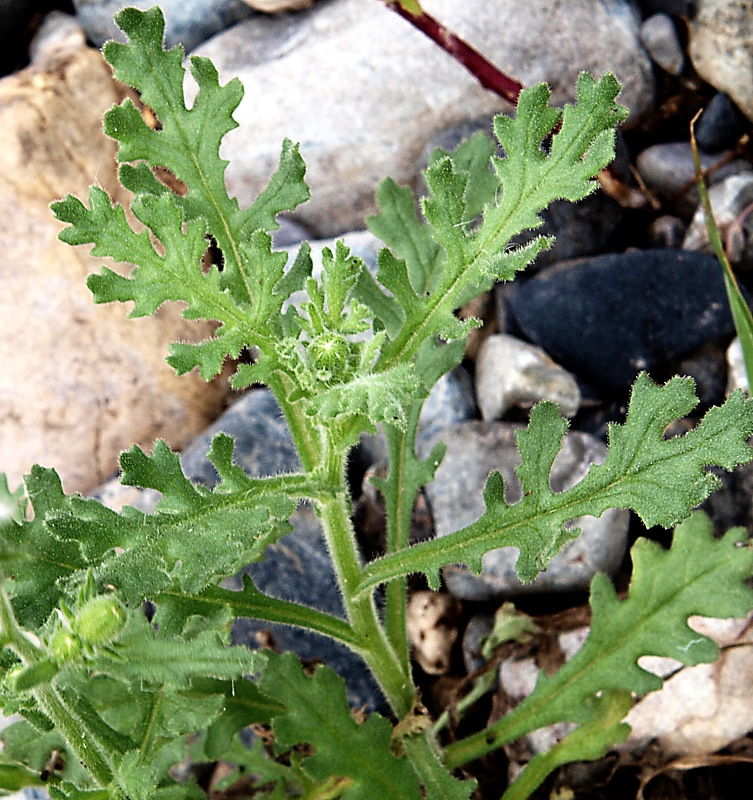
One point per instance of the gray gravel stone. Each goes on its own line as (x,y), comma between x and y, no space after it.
(659,37)
(668,170)
(187,22)
(455,497)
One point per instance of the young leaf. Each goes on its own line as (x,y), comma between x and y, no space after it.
(317,714)
(142,655)
(698,575)
(662,480)
(527,180)
(188,141)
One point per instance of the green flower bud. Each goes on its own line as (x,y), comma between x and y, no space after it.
(100,620)
(65,646)
(330,356)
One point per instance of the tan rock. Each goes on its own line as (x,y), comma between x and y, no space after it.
(79,382)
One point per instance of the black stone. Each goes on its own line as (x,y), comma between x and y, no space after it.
(609,317)
(720,125)
(677,8)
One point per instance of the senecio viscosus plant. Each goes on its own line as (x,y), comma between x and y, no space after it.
(122,697)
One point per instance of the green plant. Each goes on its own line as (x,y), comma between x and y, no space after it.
(92,677)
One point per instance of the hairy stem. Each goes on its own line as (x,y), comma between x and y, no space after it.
(376,650)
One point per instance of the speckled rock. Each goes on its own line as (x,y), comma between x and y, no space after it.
(455,497)
(510,372)
(79,382)
(721,48)
(296,86)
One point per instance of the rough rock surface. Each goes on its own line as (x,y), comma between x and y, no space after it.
(609,317)
(363,91)
(510,372)
(721,48)
(79,382)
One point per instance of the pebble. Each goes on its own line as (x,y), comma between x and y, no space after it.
(720,125)
(667,231)
(730,200)
(721,48)
(296,85)
(510,372)
(659,37)
(455,497)
(668,170)
(431,624)
(737,373)
(607,318)
(57,33)
(187,22)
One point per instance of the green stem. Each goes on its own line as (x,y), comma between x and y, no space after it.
(81,739)
(250,602)
(376,650)
(399,506)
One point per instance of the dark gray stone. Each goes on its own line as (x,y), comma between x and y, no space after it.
(720,125)
(187,22)
(668,170)
(14,36)
(262,440)
(609,317)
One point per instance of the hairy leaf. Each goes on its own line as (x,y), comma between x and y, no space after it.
(698,575)
(528,178)
(661,479)
(318,715)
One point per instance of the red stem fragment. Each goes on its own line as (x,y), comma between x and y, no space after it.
(489,76)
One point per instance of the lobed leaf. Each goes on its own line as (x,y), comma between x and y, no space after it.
(661,479)
(698,575)
(317,714)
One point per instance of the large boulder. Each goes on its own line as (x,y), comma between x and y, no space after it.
(79,382)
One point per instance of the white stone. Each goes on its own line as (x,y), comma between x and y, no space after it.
(510,372)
